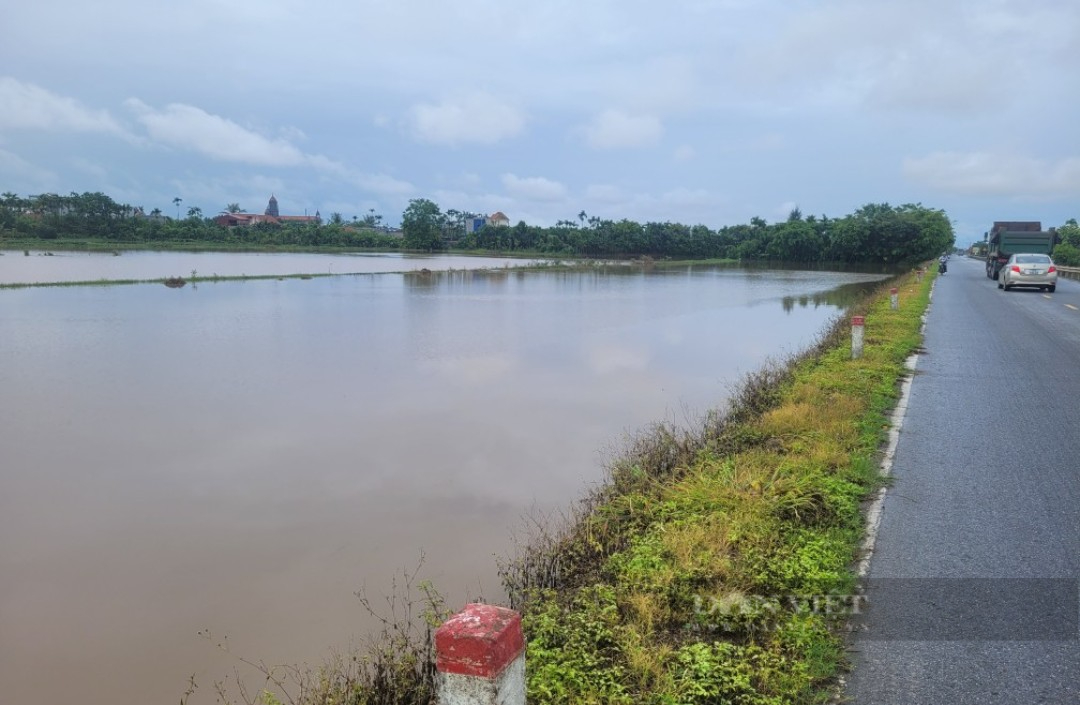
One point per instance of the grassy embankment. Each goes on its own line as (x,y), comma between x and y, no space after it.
(687,578)
(691,575)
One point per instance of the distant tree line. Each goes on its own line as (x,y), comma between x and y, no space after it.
(876,233)
(96,217)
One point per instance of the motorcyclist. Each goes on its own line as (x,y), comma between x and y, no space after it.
(943,264)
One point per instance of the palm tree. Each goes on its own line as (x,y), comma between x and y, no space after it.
(233,208)
(194,212)
(176,202)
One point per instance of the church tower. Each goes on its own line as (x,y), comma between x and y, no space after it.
(271,207)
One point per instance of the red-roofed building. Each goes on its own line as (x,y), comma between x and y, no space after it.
(271,215)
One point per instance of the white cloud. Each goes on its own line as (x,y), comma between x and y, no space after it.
(453,198)
(219,138)
(250,191)
(292,134)
(687,197)
(924,55)
(534,188)
(383,184)
(15,169)
(93,169)
(944,80)
(995,174)
(718,88)
(604,193)
(477,118)
(613,129)
(27,106)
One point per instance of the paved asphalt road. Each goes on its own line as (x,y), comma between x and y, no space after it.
(984,512)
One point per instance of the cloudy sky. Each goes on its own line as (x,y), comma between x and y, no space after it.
(693,111)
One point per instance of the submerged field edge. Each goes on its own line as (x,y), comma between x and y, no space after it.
(210,279)
(530,266)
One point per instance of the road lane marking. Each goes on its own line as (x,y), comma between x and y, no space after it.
(1047,296)
(1072,307)
(877,504)
(896,423)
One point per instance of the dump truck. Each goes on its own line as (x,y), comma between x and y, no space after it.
(1008,238)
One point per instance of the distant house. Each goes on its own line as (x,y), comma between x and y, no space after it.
(232,220)
(474,223)
(270,215)
(495,220)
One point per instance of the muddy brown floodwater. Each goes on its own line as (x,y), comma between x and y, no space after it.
(242,457)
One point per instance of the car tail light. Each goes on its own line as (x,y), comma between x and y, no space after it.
(1015,268)
(1052,269)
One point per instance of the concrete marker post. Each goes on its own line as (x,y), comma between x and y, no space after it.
(480,657)
(894,298)
(857,324)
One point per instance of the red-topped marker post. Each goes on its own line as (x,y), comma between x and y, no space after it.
(857,325)
(894,298)
(480,657)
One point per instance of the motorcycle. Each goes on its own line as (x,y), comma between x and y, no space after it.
(943,266)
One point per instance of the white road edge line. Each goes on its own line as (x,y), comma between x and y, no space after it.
(896,423)
(1072,307)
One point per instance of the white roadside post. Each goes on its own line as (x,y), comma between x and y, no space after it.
(480,657)
(857,324)
(894,298)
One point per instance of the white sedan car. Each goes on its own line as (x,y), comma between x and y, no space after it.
(1029,270)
